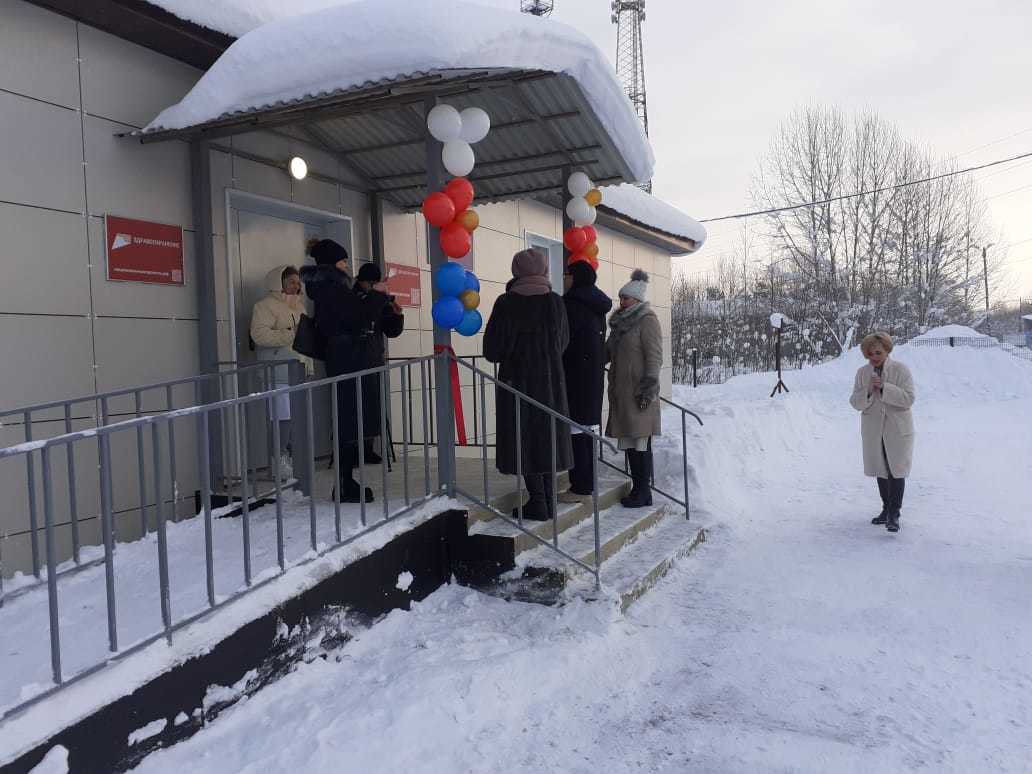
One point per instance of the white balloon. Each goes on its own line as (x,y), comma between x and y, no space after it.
(458,158)
(590,219)
(476,123)
(579,184)
(444,123)
(579,211)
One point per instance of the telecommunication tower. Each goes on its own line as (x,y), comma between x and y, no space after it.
(628,16)
(537,7)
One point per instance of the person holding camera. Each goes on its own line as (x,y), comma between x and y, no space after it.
(634,352)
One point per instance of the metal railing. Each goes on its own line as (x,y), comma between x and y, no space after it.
(101,412)
(478,438)
(555,421)
(685,413)
(161,428)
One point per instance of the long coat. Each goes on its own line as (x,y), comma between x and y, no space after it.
(584,359)
(885,418)
(526,336)
(635,353)
(353,327)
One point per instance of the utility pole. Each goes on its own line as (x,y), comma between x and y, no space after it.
(985,273)
(628,16)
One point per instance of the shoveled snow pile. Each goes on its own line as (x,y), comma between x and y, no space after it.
(799,637)
(954,331)
(645,208)
(368,41)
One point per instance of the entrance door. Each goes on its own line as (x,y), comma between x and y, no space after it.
(554,251)
(268,234)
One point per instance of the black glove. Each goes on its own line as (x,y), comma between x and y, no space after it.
(644,403)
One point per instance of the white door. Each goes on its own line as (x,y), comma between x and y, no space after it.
(556,258)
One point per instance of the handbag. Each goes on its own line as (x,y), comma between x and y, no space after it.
(309,340)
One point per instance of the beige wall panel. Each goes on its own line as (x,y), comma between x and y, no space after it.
(45,262)
(539,219)
(605,279)
(138,299)
(661,265)
(399,237)
(426,292)
(666,387)
(317,194)
(41,154)
(644,258)
(149,182)
(659,291)
(494,253)
(126,82)
(621,249)
(37,53)
(503,217)
(45,359)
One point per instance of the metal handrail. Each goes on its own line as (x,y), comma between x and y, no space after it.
(201,413)
(685,413)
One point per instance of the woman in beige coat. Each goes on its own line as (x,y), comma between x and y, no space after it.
(274,320)
(883,393)
(634,352)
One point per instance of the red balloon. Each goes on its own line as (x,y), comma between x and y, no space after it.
(460,191)
(592,262)
(590,233)
(575,239)
(438,209)
(455,240)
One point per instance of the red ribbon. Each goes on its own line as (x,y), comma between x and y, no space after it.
(456,391)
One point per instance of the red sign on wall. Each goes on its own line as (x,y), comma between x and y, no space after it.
(403,284)
(139,251)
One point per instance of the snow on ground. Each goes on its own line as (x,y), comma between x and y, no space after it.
(798,638)
(946,331)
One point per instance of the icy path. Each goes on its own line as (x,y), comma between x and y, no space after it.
(799,638)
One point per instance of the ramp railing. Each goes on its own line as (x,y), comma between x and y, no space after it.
(198,565)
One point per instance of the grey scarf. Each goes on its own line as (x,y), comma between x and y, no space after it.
(622,321)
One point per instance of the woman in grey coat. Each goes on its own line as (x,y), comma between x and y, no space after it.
(883,392)
(527,335)
(634,351)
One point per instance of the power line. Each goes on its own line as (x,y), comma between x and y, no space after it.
(994,142)
(894,187)
(1007,193)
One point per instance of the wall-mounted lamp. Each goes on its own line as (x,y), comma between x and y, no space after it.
(298,168)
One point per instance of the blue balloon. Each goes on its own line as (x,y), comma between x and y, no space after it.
(471,322)
(448,311)
(451,279)
(472,283)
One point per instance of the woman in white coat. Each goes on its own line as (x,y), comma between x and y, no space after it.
(883,393)
(274,320)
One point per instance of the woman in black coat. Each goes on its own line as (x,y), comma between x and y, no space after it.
(348,320)
(526,335)
(584,363)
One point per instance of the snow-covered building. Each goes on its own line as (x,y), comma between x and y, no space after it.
(166,129)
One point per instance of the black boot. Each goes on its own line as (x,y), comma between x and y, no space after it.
(371,457)
(581,472)
(640,495)
(350,489)
(896,487)
(883,490)
(539,505)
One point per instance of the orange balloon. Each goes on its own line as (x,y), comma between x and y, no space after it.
(593,197)
(590,250)
(470,299)
(468,219)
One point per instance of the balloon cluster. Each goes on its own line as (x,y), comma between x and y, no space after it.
(460,296)
(581,239)
(458,131)
(448,210)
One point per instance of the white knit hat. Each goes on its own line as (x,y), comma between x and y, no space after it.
(638,286)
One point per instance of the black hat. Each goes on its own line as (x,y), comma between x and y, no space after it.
(369,272)
(582,273)
(326,251)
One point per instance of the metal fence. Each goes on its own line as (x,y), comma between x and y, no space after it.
(985,342)
(161,427)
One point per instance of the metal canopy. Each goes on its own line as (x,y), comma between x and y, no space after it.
(541,124)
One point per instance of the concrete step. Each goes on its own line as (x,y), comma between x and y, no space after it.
(639,546)
(569,516)
(504,498)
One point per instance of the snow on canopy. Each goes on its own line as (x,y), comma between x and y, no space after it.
(338,48)
(948,331)
(238,17)
(645,208)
